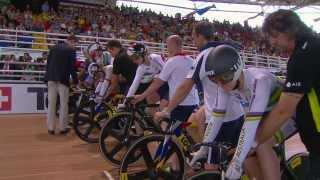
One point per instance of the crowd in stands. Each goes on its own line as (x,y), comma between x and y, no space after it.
(26,62)
(126,23)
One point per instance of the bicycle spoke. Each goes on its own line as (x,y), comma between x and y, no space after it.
(96,124)
(168,154)
(82,119)
(147,157)
(88,131)
(139,175)
(116,149)
(117,135)
(85,112)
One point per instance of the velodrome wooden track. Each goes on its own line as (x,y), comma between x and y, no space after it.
(27,152)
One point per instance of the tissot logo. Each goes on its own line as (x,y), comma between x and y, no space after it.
(5,98)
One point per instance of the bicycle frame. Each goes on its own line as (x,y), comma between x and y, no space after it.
(223,162)
(143,121)
(185,140)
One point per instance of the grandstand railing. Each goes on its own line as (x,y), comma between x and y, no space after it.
(17,42)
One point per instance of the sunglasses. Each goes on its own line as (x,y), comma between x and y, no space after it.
(135,56)
(224,78)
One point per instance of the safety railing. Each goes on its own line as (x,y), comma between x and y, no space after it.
(18,41)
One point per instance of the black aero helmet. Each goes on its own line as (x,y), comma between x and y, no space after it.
(137,49)
(224,61)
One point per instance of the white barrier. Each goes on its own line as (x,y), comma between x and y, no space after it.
(29,98)
(22,98)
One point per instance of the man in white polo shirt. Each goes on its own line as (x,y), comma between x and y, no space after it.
(174,72)
(230,130)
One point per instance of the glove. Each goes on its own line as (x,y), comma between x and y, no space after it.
(201,153)
(234,170)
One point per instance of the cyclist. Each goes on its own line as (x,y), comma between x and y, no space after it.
(123,70)
(286,31)
(104,60)
(150,65)
(203,34)
(173,72)
(256,90)
(99,56)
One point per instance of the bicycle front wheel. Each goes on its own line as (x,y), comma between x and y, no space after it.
(87,123)
(116,137)
(151,164)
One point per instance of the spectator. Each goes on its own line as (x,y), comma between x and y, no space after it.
(127,23)
(26,57)
(45,7)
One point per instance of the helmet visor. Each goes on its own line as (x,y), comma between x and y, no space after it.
(135,56)
(222,78)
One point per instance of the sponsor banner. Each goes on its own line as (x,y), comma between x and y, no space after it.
(22,98)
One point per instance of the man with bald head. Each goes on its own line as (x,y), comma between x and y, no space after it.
(174,72)
(174,45)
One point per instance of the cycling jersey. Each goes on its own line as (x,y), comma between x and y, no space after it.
(174,72)
(103,84)
(260,92)
(210,89)
(122,65)
(146,73)
(105,59)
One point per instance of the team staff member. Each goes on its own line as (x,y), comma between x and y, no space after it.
(60,65)
(123,67)
(301,92)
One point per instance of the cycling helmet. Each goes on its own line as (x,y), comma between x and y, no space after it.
(92,69)
(137,50)
(224,62)
(93,48)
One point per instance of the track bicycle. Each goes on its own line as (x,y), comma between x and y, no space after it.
(163,156)
(90,116)
(121,130)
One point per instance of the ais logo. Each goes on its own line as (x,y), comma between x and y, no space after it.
(5,98)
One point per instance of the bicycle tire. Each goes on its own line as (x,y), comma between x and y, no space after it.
(296,165)
(151,171)
(112,141)
(87,124)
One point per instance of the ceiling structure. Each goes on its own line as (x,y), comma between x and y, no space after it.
(268,2)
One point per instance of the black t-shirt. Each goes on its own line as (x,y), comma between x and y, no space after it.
(123,65)
(303,74)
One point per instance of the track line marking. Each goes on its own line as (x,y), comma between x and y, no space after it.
(108,175)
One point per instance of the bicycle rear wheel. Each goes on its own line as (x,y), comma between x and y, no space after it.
(149,165)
